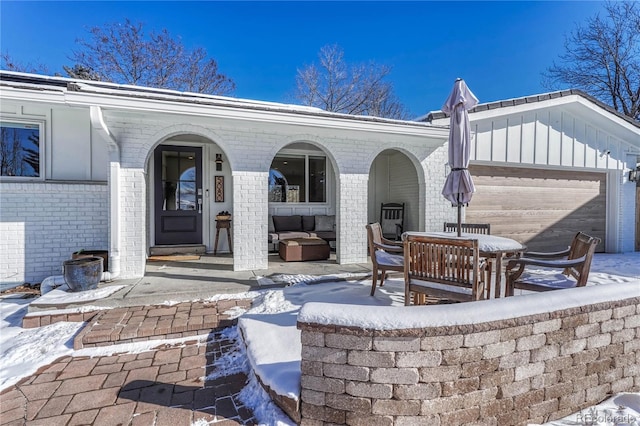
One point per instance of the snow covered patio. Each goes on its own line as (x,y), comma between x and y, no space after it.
(278,352)
(314,347)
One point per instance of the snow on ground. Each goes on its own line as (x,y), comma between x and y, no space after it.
(270,333)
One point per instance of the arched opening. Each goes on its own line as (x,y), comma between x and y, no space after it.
(189,183)
(393,179)
(302,199)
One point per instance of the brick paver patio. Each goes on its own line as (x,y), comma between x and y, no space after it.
(164,386)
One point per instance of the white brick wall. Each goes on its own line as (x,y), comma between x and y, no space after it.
(352,218)
(250,208)
(437,208)
(43,223)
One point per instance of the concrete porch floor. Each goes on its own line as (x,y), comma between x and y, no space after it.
(186,280)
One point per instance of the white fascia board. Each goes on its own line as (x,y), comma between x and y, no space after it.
(40,96)
(145,105)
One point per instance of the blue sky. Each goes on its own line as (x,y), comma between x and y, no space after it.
(500,48)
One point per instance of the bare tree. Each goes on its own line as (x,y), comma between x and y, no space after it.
(123,53)
(335,86)
(10,64)
(603,58)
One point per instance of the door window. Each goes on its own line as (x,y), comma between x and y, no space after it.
(179,180)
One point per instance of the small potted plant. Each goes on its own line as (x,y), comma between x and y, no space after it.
(223,215)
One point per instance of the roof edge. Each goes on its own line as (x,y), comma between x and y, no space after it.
(435,115)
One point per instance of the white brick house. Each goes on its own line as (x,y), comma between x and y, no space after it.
(106,157)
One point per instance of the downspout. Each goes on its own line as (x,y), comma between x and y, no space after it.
(98,123)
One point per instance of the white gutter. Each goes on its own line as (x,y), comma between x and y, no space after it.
(98,123)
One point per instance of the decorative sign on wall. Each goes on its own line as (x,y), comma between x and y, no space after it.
(219,185)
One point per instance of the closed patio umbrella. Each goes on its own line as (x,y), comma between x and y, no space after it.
(459,188)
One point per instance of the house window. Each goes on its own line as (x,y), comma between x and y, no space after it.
(298,179)
(20,149)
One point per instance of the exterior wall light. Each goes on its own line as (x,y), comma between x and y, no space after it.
(219,162)
(634,175)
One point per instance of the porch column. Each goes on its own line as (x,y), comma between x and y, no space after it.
(250,213)
(352,218)
(133,213)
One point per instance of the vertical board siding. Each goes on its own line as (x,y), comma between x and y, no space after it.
(552,137)
(568,141)
(514,140)
(499,140)
(554,143)
(528,138)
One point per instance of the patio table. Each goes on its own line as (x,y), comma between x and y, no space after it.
(492,247)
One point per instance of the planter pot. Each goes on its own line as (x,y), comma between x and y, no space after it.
(104,254)
(82,274)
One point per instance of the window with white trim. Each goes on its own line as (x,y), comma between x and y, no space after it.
(297,178)
(20,149)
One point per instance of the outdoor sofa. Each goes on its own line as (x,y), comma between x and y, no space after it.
(300,226)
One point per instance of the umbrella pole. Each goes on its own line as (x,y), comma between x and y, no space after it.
(459,220)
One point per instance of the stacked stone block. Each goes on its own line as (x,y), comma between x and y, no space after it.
(515,371)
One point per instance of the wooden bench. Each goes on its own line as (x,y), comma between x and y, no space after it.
(447,268)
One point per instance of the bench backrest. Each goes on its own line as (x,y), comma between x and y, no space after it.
(449,261)
(470,228)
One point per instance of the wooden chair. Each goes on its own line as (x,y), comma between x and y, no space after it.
(442,267)
(392,220)
(473,228)
(386,255)
(576,263)
(470,228)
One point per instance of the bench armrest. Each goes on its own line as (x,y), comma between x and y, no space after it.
(392,248)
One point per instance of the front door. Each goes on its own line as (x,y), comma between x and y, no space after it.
(178,195)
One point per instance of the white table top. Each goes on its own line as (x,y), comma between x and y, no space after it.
(486,243)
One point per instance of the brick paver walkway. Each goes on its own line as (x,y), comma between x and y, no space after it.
(165,386)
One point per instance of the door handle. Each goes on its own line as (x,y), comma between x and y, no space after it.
(200,205)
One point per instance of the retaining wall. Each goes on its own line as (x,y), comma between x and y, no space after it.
(514,361)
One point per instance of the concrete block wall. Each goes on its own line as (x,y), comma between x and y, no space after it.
(513,371)
(43,223)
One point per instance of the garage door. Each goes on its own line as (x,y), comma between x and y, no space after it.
(540,208)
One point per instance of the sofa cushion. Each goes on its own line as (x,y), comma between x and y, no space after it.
(325,235)
(325,223)
(308,223)
(293,234)
(287,223)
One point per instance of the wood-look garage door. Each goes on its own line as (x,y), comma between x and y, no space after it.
(540,208)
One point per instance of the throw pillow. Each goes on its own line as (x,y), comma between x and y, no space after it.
(272,227)
(287,223)
(308,223)
(325,223)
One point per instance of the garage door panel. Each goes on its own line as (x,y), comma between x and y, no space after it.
(540,208)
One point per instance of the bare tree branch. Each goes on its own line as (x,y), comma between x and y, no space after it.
(603,58)
(335,86)
(123,53)
(10,64)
